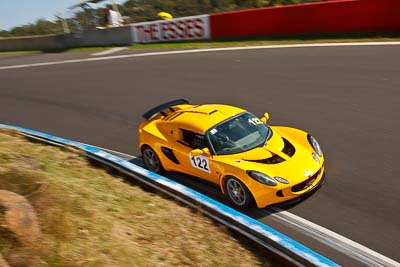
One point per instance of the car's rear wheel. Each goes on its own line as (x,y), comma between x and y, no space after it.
(151,160)
(238,193)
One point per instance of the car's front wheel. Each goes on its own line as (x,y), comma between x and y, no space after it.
(151,160)
(238,193)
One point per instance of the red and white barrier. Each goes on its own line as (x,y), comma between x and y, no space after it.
(336,16)
(179,29)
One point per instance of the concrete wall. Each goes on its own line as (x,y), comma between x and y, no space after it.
(104,37)
(48,42)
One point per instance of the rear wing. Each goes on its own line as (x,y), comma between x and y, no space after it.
(161,107)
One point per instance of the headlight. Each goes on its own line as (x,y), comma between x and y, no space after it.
(314,144)
(262,178)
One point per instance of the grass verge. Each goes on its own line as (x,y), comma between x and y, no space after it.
(252,41)
(271,40)
(88,217)
(260,42)
(20,52)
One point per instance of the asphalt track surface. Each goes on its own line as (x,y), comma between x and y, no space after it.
(347,97)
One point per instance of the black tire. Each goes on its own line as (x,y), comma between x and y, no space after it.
(151,160)
(238,193)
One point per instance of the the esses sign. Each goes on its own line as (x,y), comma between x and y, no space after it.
(186,28)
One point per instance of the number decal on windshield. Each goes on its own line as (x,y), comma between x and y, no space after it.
(200,162)
(255,121)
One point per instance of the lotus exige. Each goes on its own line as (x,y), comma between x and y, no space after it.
(250,160)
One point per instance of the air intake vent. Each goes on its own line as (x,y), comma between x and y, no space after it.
(169,154)
(172,116)
(272,160)
(307,183)
(288,148)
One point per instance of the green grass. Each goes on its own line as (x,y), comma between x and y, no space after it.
(20,52)
(253,41)
(237,43)
(276,40)
(91,218)
(257,42)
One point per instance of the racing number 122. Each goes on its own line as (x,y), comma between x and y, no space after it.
(200,163)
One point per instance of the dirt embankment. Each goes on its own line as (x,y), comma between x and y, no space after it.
(88,217)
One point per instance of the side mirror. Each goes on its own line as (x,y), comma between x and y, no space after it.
(206,151)
(200,152)
(265,118)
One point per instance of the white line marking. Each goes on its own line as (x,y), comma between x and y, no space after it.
(340,243)
(109,51)
(123,155)
(197,51)
(333,240)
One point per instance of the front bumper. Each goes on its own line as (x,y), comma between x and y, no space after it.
(291,192)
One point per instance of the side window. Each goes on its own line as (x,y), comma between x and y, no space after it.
(193,140)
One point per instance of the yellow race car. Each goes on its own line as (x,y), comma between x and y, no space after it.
(251,161)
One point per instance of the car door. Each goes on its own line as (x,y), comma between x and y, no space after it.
(199,165)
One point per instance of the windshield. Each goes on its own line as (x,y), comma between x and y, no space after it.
(238,134)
